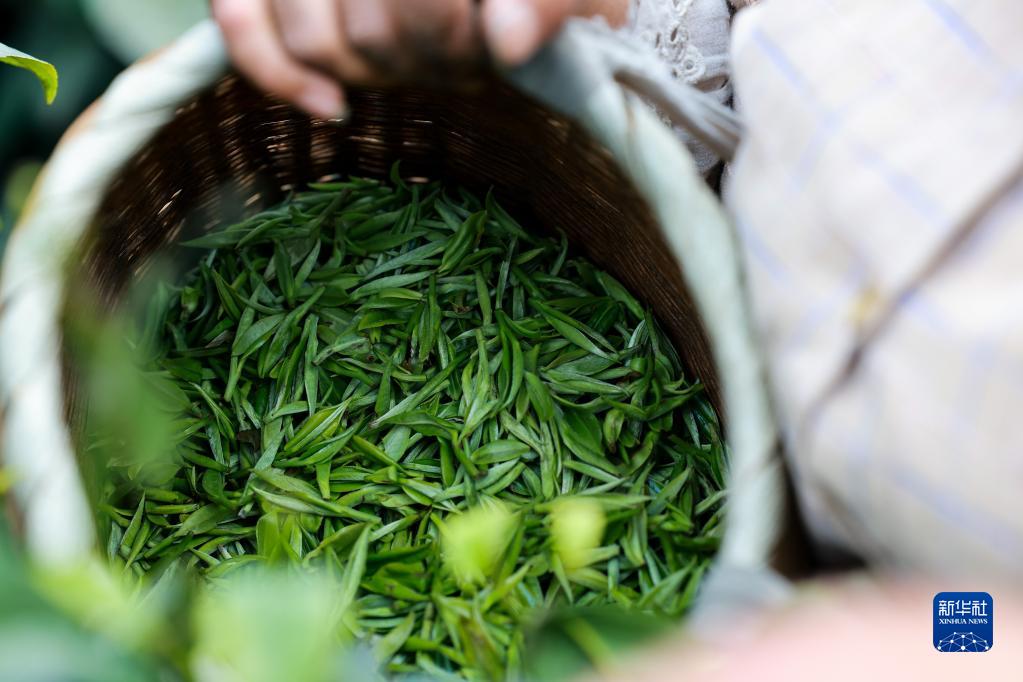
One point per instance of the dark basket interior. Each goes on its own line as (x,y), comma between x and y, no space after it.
(232,150)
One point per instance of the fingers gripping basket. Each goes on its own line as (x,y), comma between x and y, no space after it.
(178,144)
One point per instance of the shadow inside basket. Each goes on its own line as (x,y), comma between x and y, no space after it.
(233,151)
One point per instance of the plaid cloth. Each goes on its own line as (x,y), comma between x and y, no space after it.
(879,197)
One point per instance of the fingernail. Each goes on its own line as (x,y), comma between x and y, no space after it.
(514,31)
(323,101)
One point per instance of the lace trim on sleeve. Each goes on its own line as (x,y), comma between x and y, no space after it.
(662,24)
(691,38)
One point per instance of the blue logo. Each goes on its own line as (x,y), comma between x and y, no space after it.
(963,622)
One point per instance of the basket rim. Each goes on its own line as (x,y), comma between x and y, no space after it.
(34,437)
(34,441)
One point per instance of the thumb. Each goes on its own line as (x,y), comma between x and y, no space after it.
(515,29)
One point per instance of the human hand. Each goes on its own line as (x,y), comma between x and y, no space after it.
(302,50)
(858,627)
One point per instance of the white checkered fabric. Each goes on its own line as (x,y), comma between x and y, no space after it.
(879,196)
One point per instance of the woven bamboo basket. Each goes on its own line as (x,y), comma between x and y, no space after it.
(179,144)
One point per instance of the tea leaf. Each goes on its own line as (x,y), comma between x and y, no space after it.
(456,420)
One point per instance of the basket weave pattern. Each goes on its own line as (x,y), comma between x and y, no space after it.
(232,151)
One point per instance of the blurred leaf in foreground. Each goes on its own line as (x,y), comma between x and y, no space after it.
(129,418)
(473,541)
(263,625)
(94,597)
(18,187)
(572,641)
(577,526)
(40,643)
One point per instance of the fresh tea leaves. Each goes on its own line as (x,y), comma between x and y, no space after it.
(464,425)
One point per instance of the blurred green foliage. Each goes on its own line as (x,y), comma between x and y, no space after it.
(56,31)
(89,42)
(39,642)
(82,622)
(569,642)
